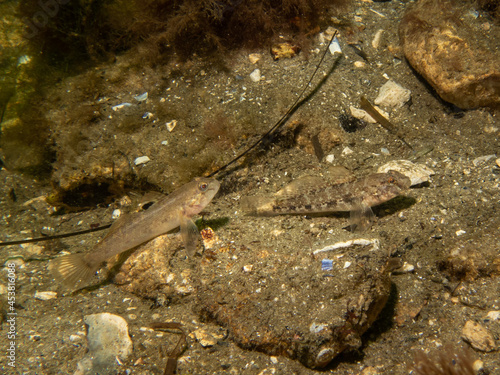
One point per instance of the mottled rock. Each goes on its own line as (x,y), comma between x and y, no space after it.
(289,306)
(460,65)
(478,336)
(152,271)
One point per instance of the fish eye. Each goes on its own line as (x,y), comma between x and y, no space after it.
(203,186)
(391,180)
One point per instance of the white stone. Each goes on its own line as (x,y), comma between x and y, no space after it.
(141,160)
(392,95)
(493,315)
(255,75)
(116,214)
(330,158)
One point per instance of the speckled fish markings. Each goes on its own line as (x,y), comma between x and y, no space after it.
(310,195)
(170,212)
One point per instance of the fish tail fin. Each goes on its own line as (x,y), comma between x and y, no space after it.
(257,205)
(70,269)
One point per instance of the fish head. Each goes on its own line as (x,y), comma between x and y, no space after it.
(381,187)
(204,189)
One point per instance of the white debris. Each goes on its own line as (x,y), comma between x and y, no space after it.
(255,76)
(417,173)
(142,97)
(377,38)
(147,116)
(392,95)
(141,160)
(45,296)
(493,315)
(248,267)
(335,46)
(460,232)
(171,125)
(482,159)
(340,245)
(120,106)
(330,158)
(347,151)
(116,214)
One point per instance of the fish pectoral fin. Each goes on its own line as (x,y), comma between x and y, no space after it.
(361,218)
(189,234)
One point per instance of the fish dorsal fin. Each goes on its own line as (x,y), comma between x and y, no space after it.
(150,198)
(337,175)
(301,185)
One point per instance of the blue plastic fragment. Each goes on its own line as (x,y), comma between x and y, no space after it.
(327,264)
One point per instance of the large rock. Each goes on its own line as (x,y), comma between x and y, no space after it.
(453,58)
(309,307)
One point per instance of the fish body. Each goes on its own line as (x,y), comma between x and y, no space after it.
(315,196)
(171,211)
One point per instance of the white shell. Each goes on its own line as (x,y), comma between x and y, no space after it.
(417,173)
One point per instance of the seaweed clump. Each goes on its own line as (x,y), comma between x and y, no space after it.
(94,29)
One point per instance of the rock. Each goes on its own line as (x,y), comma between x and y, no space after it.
(141,160)
(417,173)
(107,338)
(447,54)
(316,315)
(255,76)
(148,271)
(391,95)
(254,57)
(284,50)
(478,336)
(209,336)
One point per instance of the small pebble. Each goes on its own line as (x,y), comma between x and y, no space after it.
(493,315)
(141,160)
(377,38)
(478,336)
(255,75)
(330,158)
(171,125)
(359,64)
(254,57)
(116,214)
